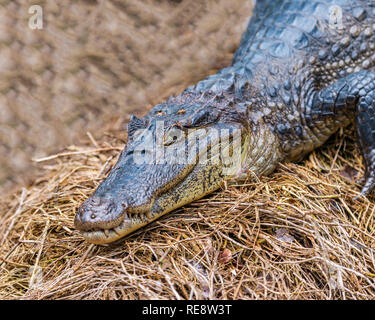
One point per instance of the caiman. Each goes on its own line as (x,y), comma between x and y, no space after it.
(303,69)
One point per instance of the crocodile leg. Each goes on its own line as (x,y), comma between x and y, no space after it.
(352,96)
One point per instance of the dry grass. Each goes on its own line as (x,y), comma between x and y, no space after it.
(298,234)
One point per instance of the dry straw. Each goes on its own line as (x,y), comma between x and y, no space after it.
(298,234)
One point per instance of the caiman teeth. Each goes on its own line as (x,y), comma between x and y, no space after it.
(101,236)
(116,230)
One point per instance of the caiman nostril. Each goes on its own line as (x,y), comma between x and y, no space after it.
(96,201)
(99,213)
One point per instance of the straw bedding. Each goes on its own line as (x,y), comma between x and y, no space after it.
(297,234)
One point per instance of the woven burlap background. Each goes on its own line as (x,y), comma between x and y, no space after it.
(66,94)
(96,62)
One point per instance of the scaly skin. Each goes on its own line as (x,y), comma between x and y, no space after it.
(304,68)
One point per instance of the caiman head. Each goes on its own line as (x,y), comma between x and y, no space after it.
(176,154)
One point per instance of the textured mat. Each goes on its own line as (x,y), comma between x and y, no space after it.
(95,62)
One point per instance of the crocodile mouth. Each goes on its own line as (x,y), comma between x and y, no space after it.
(126,226)
(193,187)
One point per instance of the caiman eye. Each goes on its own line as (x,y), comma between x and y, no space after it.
(173,135)
(203,118)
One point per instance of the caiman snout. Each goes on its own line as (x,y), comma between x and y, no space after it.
(99,213)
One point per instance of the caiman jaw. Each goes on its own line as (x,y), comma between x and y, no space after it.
(193,187)
(126,226)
